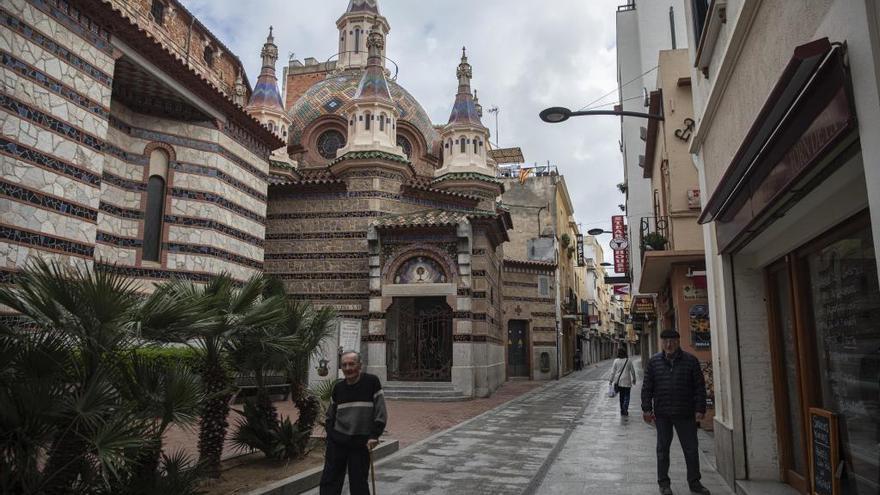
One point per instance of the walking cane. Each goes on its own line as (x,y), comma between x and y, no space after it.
(372,470)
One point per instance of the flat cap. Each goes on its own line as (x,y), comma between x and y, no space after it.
(669,334)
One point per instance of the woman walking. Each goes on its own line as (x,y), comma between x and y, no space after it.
(623,378)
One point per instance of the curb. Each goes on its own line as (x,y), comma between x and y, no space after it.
(307,480)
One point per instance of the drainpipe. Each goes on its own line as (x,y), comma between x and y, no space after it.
(558,319)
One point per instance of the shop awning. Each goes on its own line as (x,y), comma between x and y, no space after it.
(657,266)
(808,114)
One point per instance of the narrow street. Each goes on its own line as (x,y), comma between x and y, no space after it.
(564,438)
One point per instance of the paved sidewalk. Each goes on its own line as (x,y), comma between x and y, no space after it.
(564,438)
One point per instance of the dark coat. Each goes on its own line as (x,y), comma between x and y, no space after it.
(674,387)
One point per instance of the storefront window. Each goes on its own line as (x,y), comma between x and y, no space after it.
(782,301)
(846,316)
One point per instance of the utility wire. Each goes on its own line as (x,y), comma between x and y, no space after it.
(613,102)
(621,87)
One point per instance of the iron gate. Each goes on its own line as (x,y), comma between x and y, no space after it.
(517,348)
(419,344)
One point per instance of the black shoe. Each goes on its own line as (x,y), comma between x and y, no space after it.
(697,487)
(625,413)
(665,490)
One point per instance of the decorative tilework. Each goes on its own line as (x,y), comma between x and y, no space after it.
(62,128)
(191,168)
(214,225)
(376,316)
(543,329)
(542,314)
(120,212)
(77,22)
(479,295)
(478,273)
(45,241)
(316,256)
(344,195)
(324,214)
(464,292)
(123,183)
(172,139)
(218,200)
(544,344)
(127,157)
(478,252)
(47,202)
(315,235)
(213,252)
(107,238)
(28,154)
(50,46)
(520,284)
(322,276)
(327,297)
(134,272)
(341,88)
(244,138)
(54,85)
(462,315)
(373,338)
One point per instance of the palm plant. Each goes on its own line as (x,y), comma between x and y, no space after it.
(65,422)
(229,310)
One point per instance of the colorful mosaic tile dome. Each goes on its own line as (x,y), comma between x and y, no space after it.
(330,95)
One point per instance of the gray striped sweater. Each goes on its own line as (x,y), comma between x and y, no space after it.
(357,411)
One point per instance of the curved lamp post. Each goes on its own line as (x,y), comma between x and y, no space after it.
(598,232)
(555,115)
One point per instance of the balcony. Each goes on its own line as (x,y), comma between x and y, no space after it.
(653,234)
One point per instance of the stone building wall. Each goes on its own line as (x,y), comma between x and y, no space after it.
(75,160)
(523,300)
(215,206)
(57,81)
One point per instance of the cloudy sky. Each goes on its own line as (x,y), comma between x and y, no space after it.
(526,56)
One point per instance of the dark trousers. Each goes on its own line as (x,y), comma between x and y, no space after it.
(686,428)
(355,458)
(624,399)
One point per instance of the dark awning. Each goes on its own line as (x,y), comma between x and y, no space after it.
(808,113)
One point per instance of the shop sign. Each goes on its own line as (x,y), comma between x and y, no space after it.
(643,305)
(692,292)
(350,334)
(621,290)
(580,250)
(619,244)
(698,320)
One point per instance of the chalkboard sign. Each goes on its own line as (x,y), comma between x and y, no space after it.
(824,459)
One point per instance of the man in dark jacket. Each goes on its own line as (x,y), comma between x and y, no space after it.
(355,420)
(674,396)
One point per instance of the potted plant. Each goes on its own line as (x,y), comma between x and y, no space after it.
(654,241)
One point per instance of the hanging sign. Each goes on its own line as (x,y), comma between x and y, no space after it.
(580,250)
(350,334)
(619,244)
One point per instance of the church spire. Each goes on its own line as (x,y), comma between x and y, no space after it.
(464,111)
(354,26)
(265,103)
(372,114)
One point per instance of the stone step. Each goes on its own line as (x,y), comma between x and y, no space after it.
(418,386)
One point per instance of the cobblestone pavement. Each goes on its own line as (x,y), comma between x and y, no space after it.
(564,438)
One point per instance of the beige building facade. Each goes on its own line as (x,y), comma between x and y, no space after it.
(787,108)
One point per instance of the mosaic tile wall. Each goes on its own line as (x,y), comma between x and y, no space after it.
(74,167)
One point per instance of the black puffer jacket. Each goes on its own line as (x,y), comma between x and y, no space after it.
(674,387)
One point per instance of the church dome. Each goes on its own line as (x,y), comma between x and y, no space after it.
(327,97)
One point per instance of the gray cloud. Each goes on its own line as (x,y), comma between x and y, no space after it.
(526,55)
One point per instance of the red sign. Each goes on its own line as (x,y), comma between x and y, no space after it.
(621,257)
(621,289)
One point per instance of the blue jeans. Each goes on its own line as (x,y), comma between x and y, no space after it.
(624,398)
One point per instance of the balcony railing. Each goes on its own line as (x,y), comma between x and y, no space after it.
(653,234)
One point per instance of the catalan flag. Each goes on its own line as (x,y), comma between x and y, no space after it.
(524,174)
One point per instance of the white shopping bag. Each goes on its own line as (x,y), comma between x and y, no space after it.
(611,391)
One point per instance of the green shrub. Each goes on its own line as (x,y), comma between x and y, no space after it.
(166,356)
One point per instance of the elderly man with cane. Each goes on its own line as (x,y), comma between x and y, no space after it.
(355,420)
(674,396)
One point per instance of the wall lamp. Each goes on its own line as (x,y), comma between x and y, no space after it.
(555,115)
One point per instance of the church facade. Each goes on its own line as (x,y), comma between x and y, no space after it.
(387,218)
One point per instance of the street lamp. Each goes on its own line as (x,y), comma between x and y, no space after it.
(605,263)
(555,115)
(598,232)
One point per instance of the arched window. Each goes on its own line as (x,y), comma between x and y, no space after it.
(462,144)
(367,118)
(357,40)
(382,122)
(476,152)
(155,205)
(405,144)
